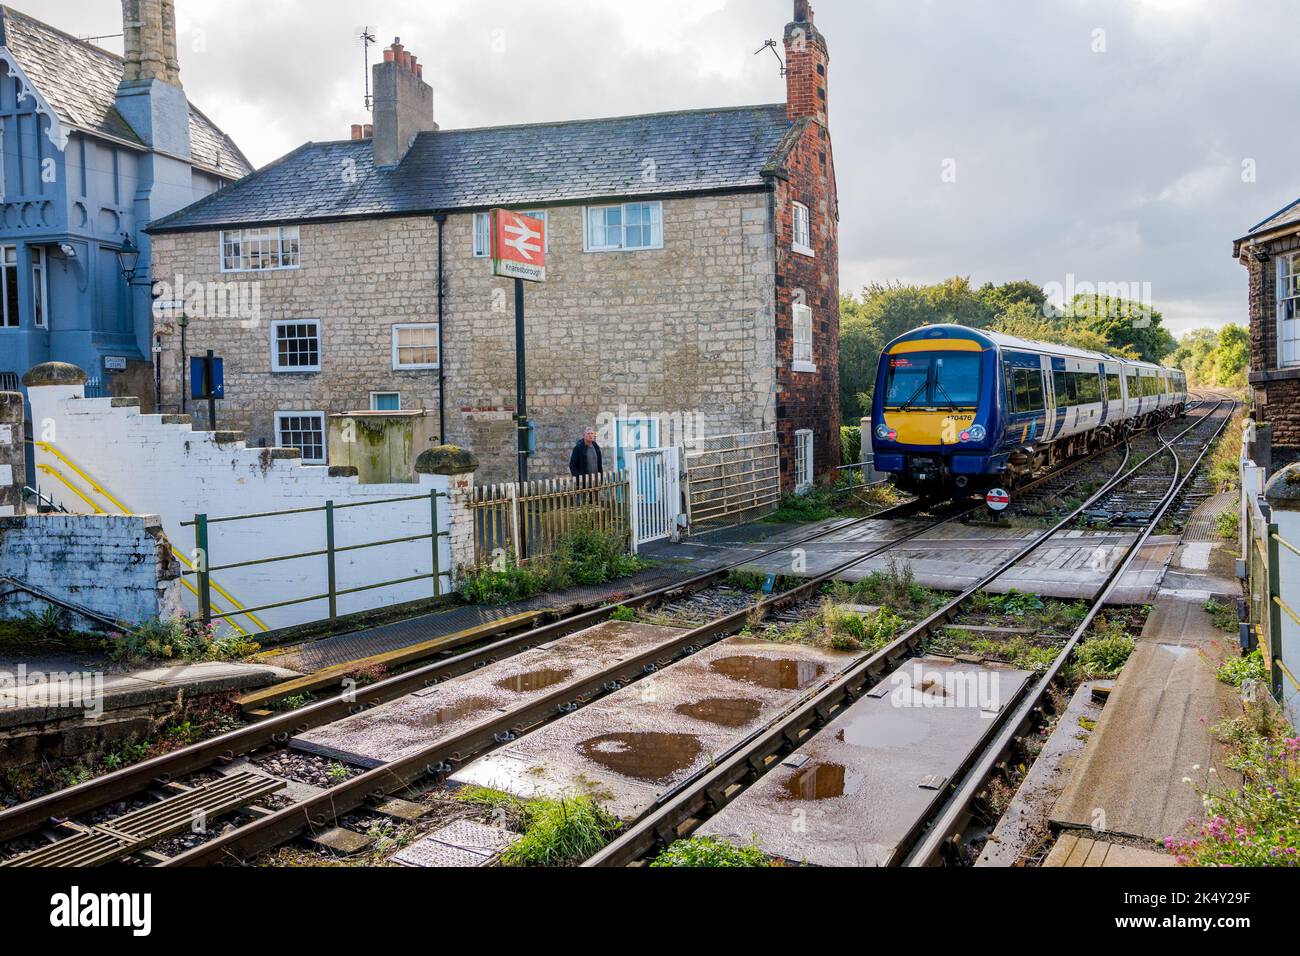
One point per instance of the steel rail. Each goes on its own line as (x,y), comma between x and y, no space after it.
(753,757)
(95,793)
(440,758)
(945,830)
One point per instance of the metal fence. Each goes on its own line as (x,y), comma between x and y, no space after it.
(526,522)
(205,566)
(732,479)
(1271,552)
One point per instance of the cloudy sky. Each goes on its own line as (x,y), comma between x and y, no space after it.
(1104,140)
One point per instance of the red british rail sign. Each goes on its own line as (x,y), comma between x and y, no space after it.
(518,246)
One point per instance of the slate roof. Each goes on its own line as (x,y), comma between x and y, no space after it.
(659,154)
(79,81)
(1289,215)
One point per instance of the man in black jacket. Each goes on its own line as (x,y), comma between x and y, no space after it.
(587,459)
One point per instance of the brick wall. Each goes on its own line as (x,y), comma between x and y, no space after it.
(13,470)
(675,333)
(809,400)
(117,566)
(1277,390)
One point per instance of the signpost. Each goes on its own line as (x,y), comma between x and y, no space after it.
(519,253)
(208,383)
(999,500)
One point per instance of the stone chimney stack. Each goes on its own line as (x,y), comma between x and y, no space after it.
(150,96)
(149,39)
(806,61)
(403,104)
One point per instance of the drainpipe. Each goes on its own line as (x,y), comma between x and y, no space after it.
(441,219)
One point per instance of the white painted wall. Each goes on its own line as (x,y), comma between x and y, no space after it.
(112,565)
(174,472)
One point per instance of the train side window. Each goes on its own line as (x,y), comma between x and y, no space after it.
(1067,394)
(1029,390)
(1113,392)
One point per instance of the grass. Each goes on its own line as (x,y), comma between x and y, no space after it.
(837,629)
(583,556)
(814,505)
(1258,822)
(894,588)
(623,613)
(1224,615)
(1228,524)
(178,639)
(1105,655)
(1241,671)
(699,852)
(554,833)
(189,723)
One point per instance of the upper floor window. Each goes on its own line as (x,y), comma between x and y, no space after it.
(634,225)
(803,339)
(483,231)
(415,346)
(9,287)
(1288,309)
(295,346)
(257,250)
(802,230)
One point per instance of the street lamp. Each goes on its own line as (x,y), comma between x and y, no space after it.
(128,258)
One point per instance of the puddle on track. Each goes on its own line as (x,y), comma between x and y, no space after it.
(651,757)
(535,680)
(821,781)
(723,711)
(775,673)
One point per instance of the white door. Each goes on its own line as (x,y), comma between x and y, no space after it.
(803,461)
(656,494)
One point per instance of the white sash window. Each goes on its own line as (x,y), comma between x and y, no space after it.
(1288,309)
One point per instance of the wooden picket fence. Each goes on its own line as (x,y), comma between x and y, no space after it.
(528,521)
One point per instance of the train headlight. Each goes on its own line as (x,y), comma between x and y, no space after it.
(882,432)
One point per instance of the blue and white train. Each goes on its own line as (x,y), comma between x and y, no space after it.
(959,410)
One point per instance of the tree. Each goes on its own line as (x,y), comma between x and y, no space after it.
(1122,322)
(1214,358)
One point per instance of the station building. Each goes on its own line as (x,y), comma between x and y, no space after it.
(692,285)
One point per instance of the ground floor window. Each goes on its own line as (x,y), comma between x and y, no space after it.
(385,402)
(11,317)
(304,431)
(803,460)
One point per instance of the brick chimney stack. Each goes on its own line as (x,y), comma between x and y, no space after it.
(403,104)
(806,61)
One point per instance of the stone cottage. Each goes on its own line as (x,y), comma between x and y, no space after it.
(692,285)
(1271,254)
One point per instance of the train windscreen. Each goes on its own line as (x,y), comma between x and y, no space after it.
(934,379)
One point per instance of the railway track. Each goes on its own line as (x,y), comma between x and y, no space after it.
(176,804)
(941,831)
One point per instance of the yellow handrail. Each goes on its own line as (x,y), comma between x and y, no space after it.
(96,486)
(51,470)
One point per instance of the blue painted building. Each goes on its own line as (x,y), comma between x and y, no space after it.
(93,147)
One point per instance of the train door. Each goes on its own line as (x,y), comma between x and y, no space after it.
(1051,422)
